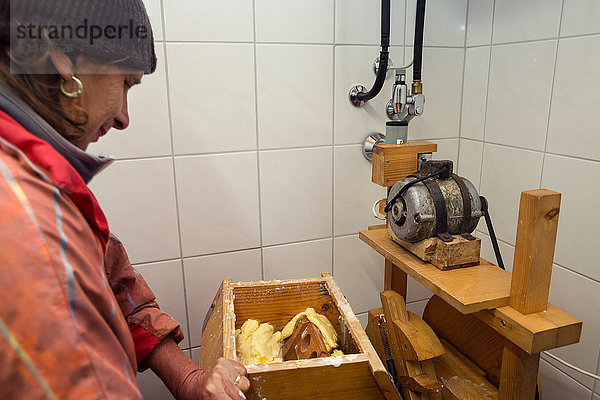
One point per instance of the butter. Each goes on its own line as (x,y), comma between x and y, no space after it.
(257,343)
(327,330)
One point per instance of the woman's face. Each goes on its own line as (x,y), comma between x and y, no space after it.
(104,97)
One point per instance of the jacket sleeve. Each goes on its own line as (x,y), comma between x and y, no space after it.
(148,324)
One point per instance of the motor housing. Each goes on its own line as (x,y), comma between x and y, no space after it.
(444,205)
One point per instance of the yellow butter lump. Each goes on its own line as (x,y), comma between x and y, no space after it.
(257,343)
(327,330)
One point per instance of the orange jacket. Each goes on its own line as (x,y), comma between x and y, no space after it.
(75,317)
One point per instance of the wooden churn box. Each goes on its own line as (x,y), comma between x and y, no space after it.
(359,374)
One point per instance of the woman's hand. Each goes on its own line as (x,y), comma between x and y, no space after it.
(218,383)
(188,382)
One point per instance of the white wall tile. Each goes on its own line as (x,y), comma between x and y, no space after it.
(573,124)
(487,251)
(444,23)
(298,260)
(447,149)
(203,277)
(308,21)
(223,20)
(196,355)
(577,219)
(354,193)
(354,66)
(469,161)
(363,319)
(506,172)
(359,22)
(149,133)
(295,95)
(580,17)
(442,87)
(477,63)
(558,386)
(519,94)
(152,387)
(218,202)
(580,297)
(138,198)
(212,97)
(416,292)
(516,20)
(479,22)
(296,194)
(154,9)
(417,307)
(166,281)
(358,270)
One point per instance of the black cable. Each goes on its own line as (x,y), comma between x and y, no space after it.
(418,45)
(488,222)
(384,55)
(411,183)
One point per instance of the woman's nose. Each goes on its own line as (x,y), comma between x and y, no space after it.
(122,119)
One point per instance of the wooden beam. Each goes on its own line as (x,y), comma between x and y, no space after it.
(518,376)
(534,251)
(394,279)
(392,162)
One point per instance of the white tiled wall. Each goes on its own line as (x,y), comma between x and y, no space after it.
(529,110)
(243,158)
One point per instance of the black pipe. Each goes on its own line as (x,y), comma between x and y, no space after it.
(418,45)
(384,55)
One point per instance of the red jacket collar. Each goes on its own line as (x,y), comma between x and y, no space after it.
(61,172)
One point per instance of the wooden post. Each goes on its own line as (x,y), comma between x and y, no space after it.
(534,252)
(530,285)
(394,279)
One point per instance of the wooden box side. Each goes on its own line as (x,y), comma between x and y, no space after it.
(218,330)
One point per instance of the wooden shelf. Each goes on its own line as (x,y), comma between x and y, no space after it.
(468,290)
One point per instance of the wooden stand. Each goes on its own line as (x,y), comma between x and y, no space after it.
(492,324)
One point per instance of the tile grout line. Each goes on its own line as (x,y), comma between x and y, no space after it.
(169,109)
(541,152)
(581,35)
(331,268)
(553,364)
(462,90)
(260,217)
(595,384)
(551,92)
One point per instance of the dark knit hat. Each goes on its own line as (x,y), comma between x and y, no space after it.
(115,31)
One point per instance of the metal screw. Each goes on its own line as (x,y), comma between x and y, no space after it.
(387,161)
(387,181)
(502,323)
(325,307)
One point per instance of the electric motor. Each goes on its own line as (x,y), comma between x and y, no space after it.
(442,204)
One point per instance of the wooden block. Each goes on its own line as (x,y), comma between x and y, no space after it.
(457,287)
(458,253)
(392,162)
(534,332)
(519,374)
(534,251)
(417,340)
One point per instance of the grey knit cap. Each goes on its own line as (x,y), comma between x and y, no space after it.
(116,31)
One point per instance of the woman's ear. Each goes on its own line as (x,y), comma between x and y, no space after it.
(63,64)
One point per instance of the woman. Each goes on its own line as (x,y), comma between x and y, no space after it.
(76,320)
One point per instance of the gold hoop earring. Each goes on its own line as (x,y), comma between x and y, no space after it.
(76,93)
